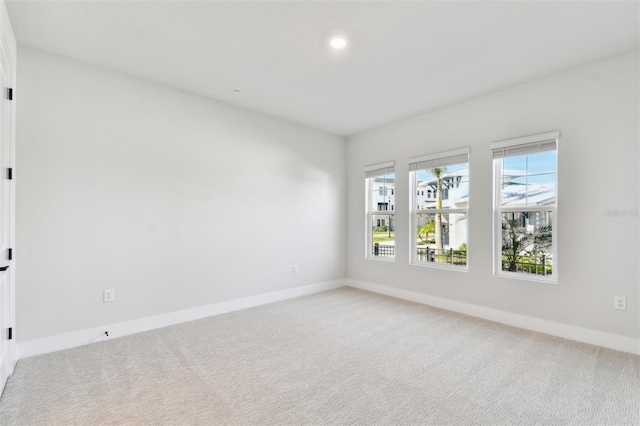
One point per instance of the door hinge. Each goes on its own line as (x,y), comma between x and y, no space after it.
(9,173)
(10,333)
(10,253)
(9,93)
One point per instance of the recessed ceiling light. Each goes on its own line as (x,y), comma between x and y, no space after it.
(338,42)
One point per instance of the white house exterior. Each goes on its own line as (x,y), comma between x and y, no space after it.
(455,195)
(382,200)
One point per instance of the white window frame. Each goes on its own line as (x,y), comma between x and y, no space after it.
(371,172)
(441,159)
(516,147)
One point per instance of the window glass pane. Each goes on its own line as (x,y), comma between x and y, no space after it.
(381,201)
(544,162)
(541,178)
(382,192)
(514,181)
(528,180)
(527,243)
(450,183)
(449,245)
(383,235)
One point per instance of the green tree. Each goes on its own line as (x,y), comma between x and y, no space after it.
(426,229)
(518,243)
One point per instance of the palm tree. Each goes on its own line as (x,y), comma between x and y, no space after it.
(427,228)
(518,243)
(437,172)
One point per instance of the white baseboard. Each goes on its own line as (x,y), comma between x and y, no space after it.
(585,335)
(93,335)
(14,356)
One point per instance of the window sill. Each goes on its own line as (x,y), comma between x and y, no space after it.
(524,277)
(381,259)
(435,265)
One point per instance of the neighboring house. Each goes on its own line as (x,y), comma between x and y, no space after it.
(533,194)
(455,194)
(383,200)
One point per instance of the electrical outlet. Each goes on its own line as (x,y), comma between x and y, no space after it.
(294,269)
(620,303)
(109,295)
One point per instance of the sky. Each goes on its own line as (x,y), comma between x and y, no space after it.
(542,166)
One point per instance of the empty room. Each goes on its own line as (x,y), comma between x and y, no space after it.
(319,212)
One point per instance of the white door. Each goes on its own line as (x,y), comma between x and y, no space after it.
(5,211)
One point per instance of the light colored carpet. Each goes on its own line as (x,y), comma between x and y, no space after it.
(338,357)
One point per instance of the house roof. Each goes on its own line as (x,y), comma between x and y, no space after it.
(513,194)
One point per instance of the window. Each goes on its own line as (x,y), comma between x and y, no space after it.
(525,203)
(439,224)
(380,238)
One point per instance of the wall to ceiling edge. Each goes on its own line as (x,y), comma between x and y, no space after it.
(174,200)
(596,109)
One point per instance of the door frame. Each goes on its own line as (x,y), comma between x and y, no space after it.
(13,346)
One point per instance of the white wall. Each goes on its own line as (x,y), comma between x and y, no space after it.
(174,200)
(178,201)
(596,110)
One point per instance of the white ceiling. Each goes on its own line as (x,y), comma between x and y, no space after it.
(404,58)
